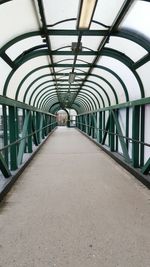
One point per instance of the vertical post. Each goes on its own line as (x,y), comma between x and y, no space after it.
(29,133)
(100,127)
(81,121)
(38,126)
(103,123)
(68,121)
(135,135)
(44,129)
(49,122)
(142,135)
(12,134)
(5,132)
(35,139)
(83,126)
(127,126)
(116,136)
(86,122)
(92,125)
(77,121)
(24,114)
(111,134)
(95,125)
(17,128)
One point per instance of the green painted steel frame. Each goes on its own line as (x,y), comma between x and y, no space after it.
(34,129)
(130,35)
(113,129)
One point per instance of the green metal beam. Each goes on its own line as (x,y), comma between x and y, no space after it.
(120,136)
(47,66)
(105,52)
(146,167)
(111,134)
(8,60)
(125,33)
(5,131)
(40,127)
(3,167)
(135,135)
(106,130)
(35,137)
(142,101)
(66,74)
(30,133)
(13,136)
(141,61)
(13,103)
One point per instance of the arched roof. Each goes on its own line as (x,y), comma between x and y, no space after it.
(36,53)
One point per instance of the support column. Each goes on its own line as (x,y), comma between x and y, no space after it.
(12,135)
(5,132)
(135,135)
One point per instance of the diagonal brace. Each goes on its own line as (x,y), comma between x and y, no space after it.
(120,135)
(106,129)
(3,167)
(146,167)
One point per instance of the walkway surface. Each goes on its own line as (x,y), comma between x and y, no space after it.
(74,206)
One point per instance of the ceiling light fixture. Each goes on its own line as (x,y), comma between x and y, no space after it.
(86,12)
(76,47)
(72,77)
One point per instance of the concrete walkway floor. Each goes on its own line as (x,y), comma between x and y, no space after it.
(74,206)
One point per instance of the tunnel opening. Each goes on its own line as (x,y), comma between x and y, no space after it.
(62,118)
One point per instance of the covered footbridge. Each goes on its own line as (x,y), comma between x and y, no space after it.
(84,65)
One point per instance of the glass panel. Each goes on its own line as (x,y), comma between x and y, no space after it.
(66,59)
(91,42)
(107,10)
(18,48)
(57,69)
(32,77)
(60,10)
(4,72)
(138,18)
(33,87)
(22,71)
(22,19)
(129,48)
(95,93)
(124,73)
(99,90)
(39,95)
(106,87)
(113,81)
(88,59)
(61,41)
(143,71)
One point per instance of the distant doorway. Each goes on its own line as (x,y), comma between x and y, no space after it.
(62,118)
